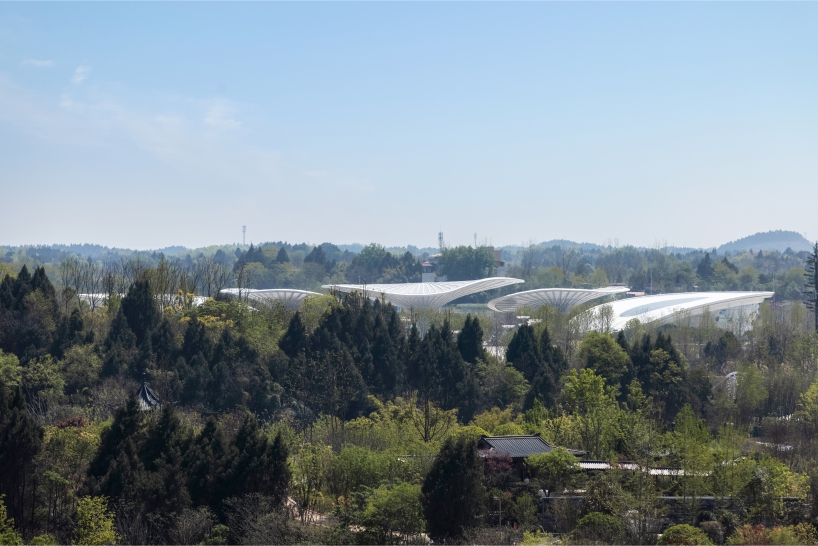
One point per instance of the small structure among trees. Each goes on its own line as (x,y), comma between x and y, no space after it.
(518,447)
(145,397)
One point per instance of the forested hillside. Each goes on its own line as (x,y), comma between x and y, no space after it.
(348,422)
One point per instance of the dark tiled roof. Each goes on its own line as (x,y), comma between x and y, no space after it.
(520,445)
(146,399)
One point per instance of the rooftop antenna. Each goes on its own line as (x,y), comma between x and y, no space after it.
(243,232)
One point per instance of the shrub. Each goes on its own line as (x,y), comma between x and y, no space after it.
(714,530)
(597,528)
(761,535)
(684,534)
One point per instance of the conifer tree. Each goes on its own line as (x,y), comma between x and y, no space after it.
(294,339)
(282,256)
(119,346)
(811,288)
(20,441)
(126,424)
(140,309)
(705,268)
(470,340)
(205,462)
(524,352)
(453,491)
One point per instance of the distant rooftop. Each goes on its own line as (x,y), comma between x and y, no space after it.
(519,446)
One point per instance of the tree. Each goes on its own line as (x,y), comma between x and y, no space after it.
(750,391)
(470,340)
(295,338)
(598,528)
(524,352)
(556,470)
(282,256)
(595,409)
(705,268)
(601,353)
(11,373)
(20,441)
(140,310)
(8,535)
(465,263)
(453,492)
(546,382)
(95,524)
(394,511)
(684,534)
(689,450)
(811,288)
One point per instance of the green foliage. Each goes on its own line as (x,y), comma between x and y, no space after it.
(595,409)
(453,490)
(601,353)
(394,514)
(759,534)
(555,470)
(95,524)
(8,535)
(465,263)
(684,534)
(11,373)
(598,528)
(81,367)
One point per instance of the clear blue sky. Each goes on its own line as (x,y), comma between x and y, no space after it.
(152,124)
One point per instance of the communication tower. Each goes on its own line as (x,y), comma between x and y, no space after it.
(243,232)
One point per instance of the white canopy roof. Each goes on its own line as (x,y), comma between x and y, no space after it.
(666,307)
(425,294)
(562,298)
(288,296)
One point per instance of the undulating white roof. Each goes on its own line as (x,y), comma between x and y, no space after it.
(562,298)
(666,307)
(290,297)
(97,299)
(425,294)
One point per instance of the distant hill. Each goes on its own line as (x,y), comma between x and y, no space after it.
(778,240)
(570,244)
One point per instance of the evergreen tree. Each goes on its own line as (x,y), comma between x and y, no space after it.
(470,341)
(257,465)
(317,256)
(282,256)
(705,268)
(196,341)
(453,491)
(205,463)
(524,352)
(20,441)
(140,309)
(163,343)
(295,338)
(127,422)
(546,383)
(811,287)
(119,346)
(658,367)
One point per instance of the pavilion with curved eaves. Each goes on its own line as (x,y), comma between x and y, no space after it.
(432,295)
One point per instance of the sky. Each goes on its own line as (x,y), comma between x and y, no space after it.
(145,125)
